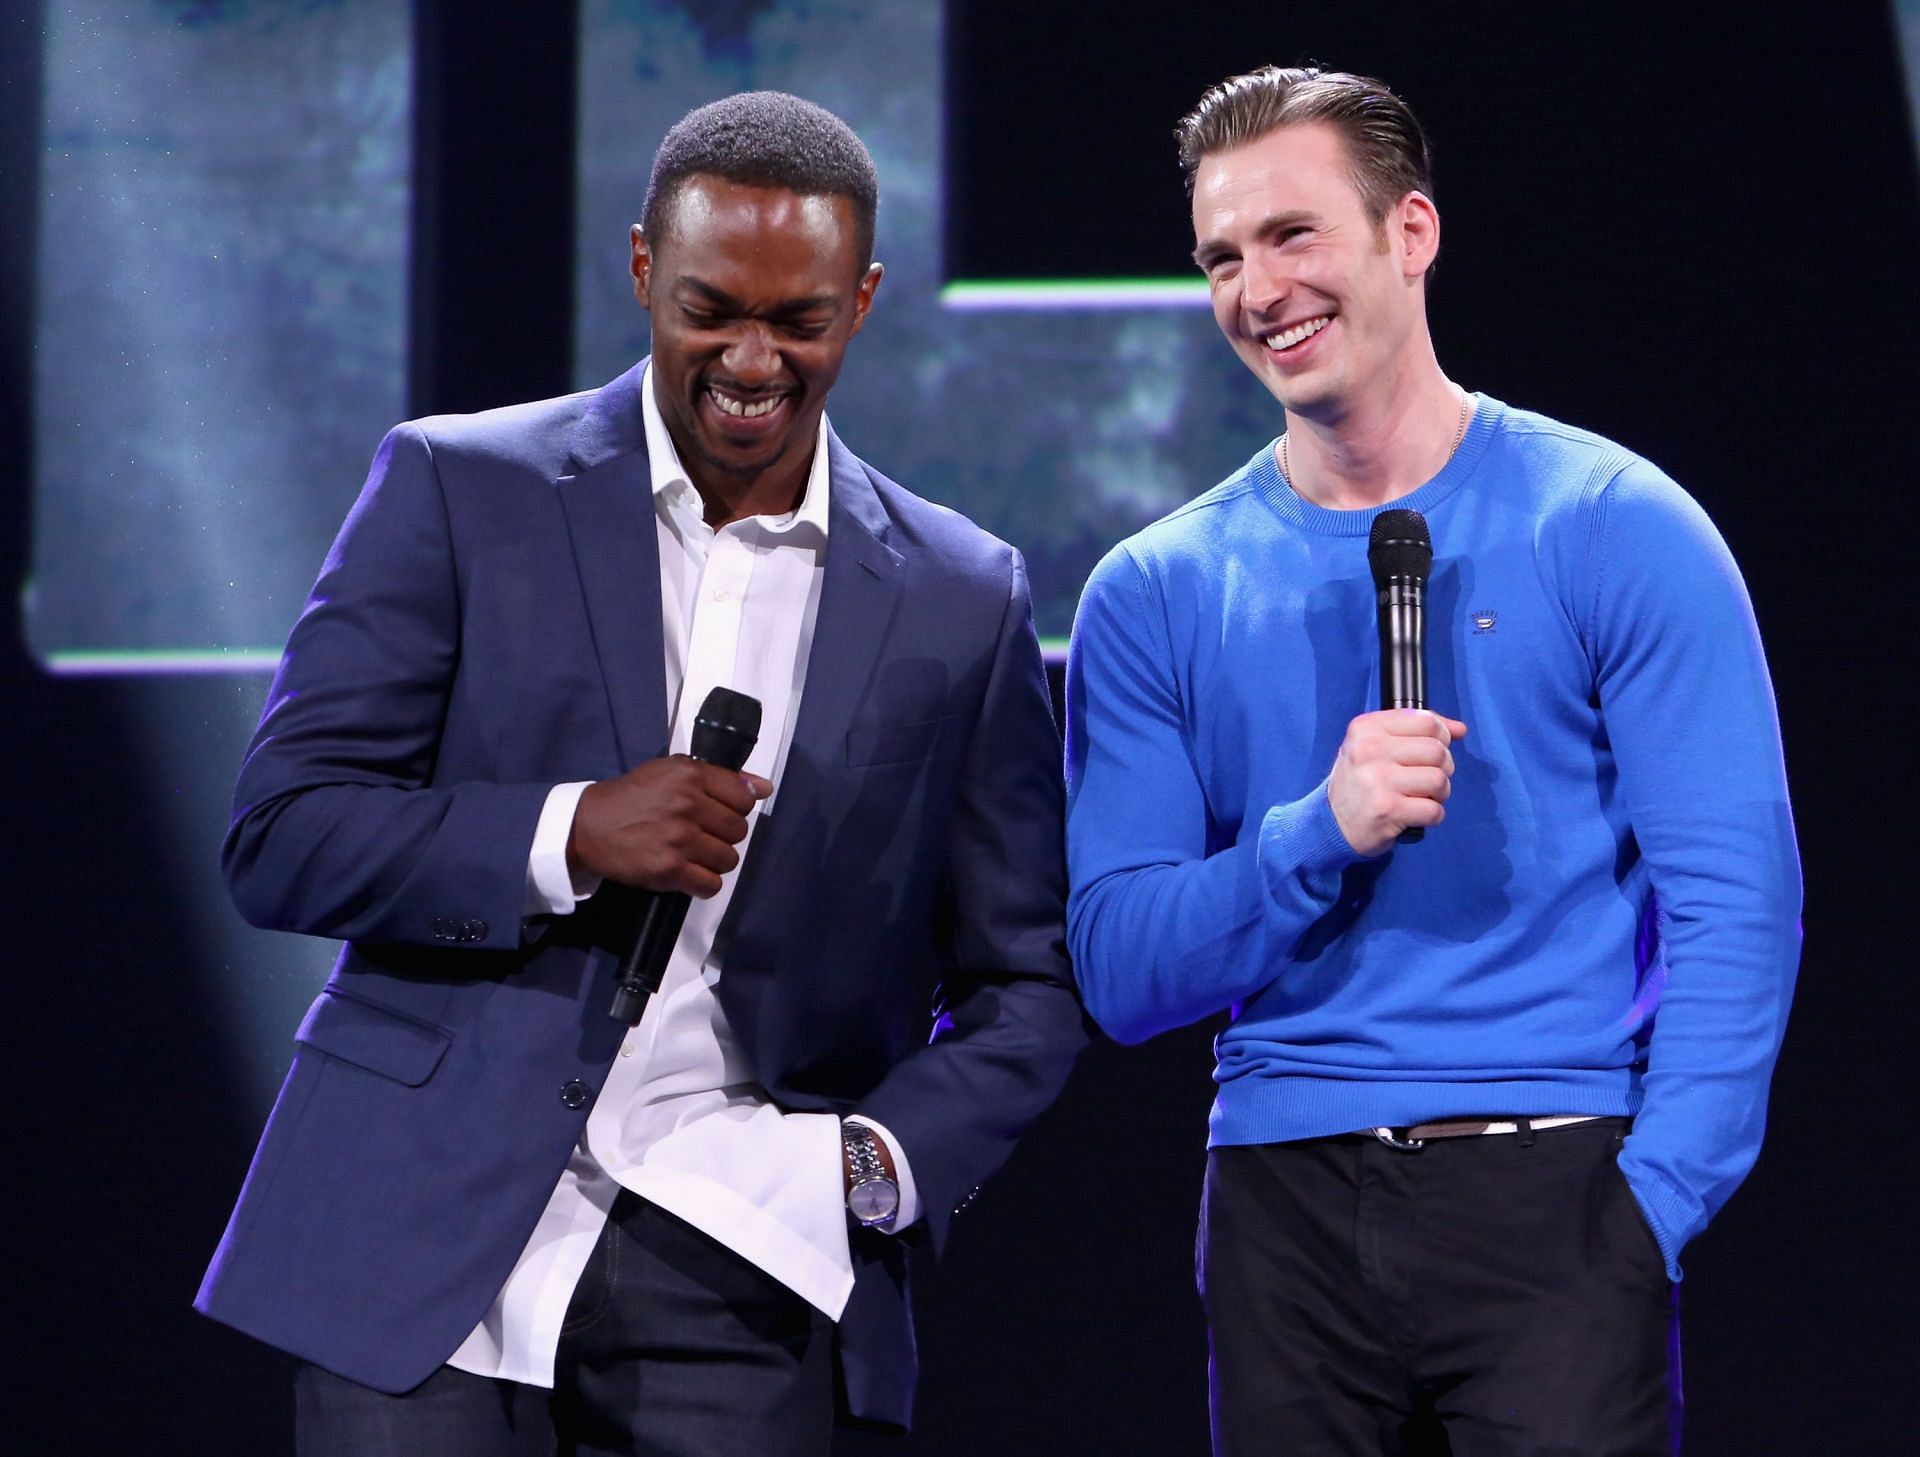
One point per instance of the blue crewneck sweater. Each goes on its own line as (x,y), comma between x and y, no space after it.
(1608,920)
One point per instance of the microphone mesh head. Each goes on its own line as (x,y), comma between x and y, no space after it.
(726,728)
(1399,546)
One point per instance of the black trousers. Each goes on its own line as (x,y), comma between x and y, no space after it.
(673,1346)
(1492,1296)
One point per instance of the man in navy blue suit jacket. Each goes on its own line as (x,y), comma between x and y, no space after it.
(488,626)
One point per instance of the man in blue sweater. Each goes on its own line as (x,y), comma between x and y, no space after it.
(1479,1091)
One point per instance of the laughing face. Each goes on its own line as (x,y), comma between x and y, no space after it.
(1323,304)
(754,293)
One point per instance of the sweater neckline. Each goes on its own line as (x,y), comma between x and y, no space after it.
(1264,471)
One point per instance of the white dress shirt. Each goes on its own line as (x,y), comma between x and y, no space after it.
(680,1120)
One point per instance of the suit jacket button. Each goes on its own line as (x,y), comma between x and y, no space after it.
(575,1094)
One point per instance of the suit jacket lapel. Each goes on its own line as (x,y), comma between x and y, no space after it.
(857,598)
(608,502)
(858,595)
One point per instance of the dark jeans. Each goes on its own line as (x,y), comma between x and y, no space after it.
(1492,1296)
(673,1346)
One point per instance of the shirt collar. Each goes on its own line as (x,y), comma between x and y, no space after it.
(672,484)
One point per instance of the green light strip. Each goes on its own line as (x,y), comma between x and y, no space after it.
(1075,293)
(88,663)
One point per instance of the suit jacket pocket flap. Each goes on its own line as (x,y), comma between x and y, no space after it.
(371,1037)
(893,743)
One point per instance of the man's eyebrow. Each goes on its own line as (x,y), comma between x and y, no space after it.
(1213,248)
(1208,251)
(720,298)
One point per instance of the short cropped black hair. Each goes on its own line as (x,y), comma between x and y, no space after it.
(765,139)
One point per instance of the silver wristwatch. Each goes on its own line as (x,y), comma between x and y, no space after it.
(872,1196)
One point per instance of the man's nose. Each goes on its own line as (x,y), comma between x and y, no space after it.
(751,356)
(1263,283)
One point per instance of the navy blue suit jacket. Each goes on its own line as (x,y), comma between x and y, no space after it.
(488,625)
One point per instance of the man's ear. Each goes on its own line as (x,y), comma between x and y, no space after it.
(1419,233)
(863,296)
(641,266)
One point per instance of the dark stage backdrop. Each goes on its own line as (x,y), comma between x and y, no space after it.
(240,237)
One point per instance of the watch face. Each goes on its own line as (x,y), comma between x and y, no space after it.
(873,1201)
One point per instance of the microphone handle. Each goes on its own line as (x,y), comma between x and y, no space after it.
(724,733)
(645,962)
(1403,656)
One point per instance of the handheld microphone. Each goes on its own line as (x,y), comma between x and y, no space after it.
(724,733)
(1400,553)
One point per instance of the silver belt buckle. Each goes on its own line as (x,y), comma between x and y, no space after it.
(1393,1140)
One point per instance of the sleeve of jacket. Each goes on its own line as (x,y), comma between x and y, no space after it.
(341,826)
(1009,1023)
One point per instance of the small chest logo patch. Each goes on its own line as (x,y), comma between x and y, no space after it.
(1484,622)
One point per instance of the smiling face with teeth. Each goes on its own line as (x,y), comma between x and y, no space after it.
(1325,304)
(755,293)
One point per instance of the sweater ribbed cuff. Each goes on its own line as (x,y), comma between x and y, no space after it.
(1673,1218)
(1301,848)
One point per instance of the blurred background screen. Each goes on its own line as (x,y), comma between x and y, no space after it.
(222,312)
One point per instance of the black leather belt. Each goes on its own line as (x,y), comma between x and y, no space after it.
(1415,1135)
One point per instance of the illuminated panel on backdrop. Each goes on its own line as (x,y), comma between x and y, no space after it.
(224,197)
(1060,414)
(1906,14)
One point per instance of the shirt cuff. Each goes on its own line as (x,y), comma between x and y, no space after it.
(552,889)
(902,1176)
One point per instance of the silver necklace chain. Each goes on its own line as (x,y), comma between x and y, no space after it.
(1459,434)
